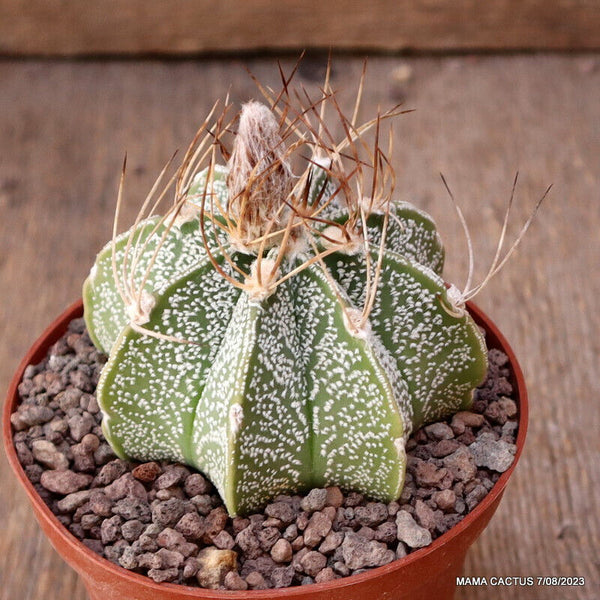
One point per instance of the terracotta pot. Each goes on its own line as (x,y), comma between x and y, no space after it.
(425,574)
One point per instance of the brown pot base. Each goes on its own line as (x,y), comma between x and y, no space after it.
(426,574)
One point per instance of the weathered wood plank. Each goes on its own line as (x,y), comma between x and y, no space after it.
(65,126)
(175,27)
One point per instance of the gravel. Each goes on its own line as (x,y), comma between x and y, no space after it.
(167,521)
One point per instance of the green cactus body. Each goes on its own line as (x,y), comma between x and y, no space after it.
(288,390)
(177,250)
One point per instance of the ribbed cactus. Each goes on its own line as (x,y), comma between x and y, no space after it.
(276,331)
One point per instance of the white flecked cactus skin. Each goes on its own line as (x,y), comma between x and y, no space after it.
(280,366)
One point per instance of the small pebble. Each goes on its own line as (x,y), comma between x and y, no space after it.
(239,523)
(28,416)
(326,574)
(73,501)
(302,521)
(298,544)
(401,550)
(248,541)
(104,454)
(312,562)
(83,458)
(233,581)
(100,503)
(353,499)
(223,540)
(48,455)
(282,511)
(90,442)
(359,553)
(439,431)
(94,545)
(168,513)
(146,472)
(256,581)
(496,455)
(203,504)
(132,508)
(145,543)
(110,529)
(162,575)
(281,551)
(424,515)
(128,559)
(192,526)
(461,464)
(195,485)
(366,532)
(169,538)
(291,532)
(341,568)
(111,471)
(190,568)
(170,478)
(393,508)
(386,532)
(125,486)
(64,482)
(69,398)
(315,500)
(334,497)
(468,419)
(215,523)
(282,577)
(428,475)
(318,527)
(372,514)
(80,425)
(444,447)
(131,530)
(411,533)
(444,499)
(332,541)
(475,496)
(267,537)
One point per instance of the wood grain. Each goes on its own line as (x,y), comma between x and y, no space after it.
(176,27)
(64,128)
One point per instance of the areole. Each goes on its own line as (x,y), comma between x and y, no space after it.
(424,574)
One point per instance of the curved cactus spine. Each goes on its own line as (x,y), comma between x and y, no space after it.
(296,330)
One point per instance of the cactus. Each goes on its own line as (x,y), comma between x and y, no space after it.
(276,331)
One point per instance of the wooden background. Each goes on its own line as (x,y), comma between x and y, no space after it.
(176,27)
(64,127)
